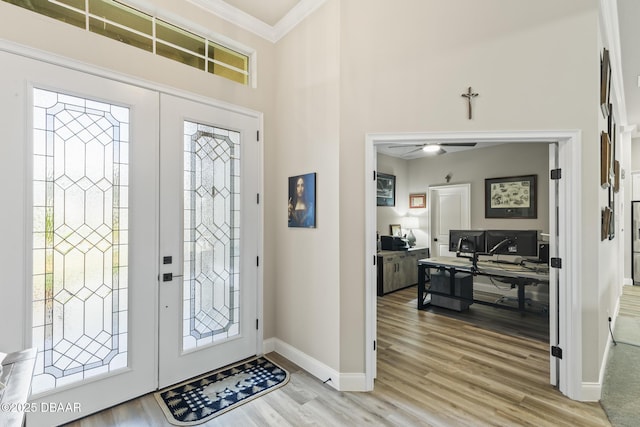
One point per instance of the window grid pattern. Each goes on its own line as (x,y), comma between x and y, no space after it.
(128,25)
(211,235)
(80,220)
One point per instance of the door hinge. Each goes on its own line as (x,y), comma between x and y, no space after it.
(374,259)
(257,323)
(374,345)
(556,352)
(258,199)
(258,261)
(556,173)
(258,135)
(556,262)
(374,175)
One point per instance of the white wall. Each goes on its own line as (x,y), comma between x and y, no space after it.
(307,116)
(533,64)
(473,166)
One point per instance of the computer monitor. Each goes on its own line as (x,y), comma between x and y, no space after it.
(513,242)
(467,241)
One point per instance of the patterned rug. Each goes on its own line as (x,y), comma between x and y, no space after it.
(201,399)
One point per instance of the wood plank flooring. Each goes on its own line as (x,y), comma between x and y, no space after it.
(433,370)
(630,301)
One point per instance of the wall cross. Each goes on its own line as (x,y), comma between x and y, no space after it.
(469,95)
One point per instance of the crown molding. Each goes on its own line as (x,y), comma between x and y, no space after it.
(296,15)
(250,23)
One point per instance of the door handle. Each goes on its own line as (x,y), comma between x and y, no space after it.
(168,277)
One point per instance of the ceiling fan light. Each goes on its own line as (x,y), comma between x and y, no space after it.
(431,148)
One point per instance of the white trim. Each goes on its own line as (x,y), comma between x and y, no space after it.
(296,15)
(306,362)
(590,392)
(339,381)
(570,220)
(250,23)
(29,52)
(370,270)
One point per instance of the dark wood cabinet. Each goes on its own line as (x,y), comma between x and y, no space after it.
(398,269)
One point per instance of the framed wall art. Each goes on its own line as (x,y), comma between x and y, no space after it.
(418,200)
(395,230)
(605,82)
(605,159)
(511,197)
(302,201)
(386,189)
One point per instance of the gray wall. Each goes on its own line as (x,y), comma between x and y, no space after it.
(472,166)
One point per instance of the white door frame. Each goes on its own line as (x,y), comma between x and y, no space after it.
(569,220)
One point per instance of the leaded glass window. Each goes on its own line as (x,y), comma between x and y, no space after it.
(80,238)
(211,235)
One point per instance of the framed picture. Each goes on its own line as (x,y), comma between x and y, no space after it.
(511,197)
(418,200)
(302,201)
(386,189)
(605,159)
(605,82)
(395,230)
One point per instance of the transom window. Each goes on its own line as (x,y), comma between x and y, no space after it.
(128,25)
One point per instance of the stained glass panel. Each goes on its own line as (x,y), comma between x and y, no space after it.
(211,235)
(80,212)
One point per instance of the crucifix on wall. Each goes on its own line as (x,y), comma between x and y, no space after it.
(469,95)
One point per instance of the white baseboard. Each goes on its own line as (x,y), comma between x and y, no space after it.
(627,281)
(337,380)
(591,392)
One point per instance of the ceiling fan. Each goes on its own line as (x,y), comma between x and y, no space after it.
(433,148)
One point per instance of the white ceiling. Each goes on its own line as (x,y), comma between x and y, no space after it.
(282,15)
(268,11)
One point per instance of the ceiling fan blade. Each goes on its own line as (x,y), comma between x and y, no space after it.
(459,144)
(412,151)
(406,145)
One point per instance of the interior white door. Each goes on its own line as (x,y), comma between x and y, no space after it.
(209,240)
(450,209)
(80,235)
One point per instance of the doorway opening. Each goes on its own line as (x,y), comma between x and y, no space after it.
(564,220)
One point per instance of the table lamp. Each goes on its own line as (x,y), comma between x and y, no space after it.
(409,223)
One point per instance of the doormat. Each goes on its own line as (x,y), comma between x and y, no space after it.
(201,399)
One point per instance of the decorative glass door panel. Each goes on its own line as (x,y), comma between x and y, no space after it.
(81,164)
(210,229)
(80,234)
(211,235)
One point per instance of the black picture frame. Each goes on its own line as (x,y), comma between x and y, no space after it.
(385,189)
(511,197)
(302,201)
(605,83)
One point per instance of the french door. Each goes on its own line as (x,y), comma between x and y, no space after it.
(104,191)
(209,219)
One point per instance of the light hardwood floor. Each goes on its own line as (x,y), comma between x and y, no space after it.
(630,301)
(433,370)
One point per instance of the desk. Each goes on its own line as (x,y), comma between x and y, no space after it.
(519,275)
(17,370)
